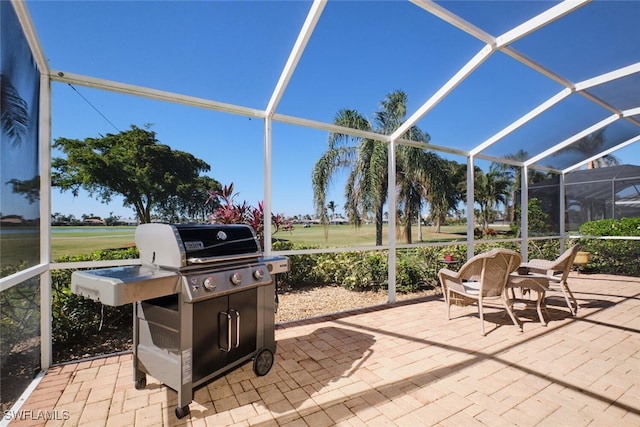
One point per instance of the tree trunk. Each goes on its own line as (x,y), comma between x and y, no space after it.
(407,226)
(379,215)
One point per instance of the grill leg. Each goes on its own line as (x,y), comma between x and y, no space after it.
(185,390)
(182,411)
(139,377)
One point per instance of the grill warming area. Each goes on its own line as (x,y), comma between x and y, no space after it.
(204,301)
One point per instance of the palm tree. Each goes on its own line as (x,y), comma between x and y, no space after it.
(332,207)
(366,160)
(424,176)
(490,189)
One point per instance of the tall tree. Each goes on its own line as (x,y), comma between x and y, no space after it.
(491,188)
(443,181)
(366,160)
(132,164)
(424,176)
(332,207)
(190,201)
(515,176)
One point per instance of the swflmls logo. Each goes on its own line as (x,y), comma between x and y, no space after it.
(35,415)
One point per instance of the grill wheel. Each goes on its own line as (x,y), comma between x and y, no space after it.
(263,362)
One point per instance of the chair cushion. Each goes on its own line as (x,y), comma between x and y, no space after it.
(472,288)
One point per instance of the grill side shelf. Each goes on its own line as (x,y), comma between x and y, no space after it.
(118,286)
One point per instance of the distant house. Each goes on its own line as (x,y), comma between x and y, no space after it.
(11,220)
(126,221)
(93,221)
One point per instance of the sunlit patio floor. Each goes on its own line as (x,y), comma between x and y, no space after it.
(401,364)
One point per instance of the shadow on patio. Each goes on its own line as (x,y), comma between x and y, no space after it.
(401,364)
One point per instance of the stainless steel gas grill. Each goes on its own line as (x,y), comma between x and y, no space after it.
(204,303)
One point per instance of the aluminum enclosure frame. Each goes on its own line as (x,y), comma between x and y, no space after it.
(493,44)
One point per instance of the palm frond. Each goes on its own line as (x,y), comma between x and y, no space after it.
(15,116)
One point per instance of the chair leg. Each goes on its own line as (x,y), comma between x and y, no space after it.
(540,307)
(509,307)
(480,312)
(569,298)
(447,300)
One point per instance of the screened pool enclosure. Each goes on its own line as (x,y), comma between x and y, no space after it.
(539,86)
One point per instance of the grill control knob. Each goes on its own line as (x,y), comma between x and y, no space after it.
(258,274)
(209,283)
(236,278)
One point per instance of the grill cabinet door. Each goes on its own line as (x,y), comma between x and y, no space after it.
(243,307)
(212,321)
(207,355)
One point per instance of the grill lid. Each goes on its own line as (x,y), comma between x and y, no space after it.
(178,245)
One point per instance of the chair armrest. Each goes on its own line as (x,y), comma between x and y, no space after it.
(450,274)
(449,278)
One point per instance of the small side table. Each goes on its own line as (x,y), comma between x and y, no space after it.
(447,263)
(537,283)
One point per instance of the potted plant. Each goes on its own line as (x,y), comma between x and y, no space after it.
(582,259)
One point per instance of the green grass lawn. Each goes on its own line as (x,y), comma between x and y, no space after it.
(88,240)
(76,243)
(20,245)
(347,235)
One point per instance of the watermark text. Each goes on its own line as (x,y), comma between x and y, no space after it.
(36,414)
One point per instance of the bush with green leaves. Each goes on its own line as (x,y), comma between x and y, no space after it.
(537,218)
(359,270)
(612,256)
(612,227)
(74,317)
(302,268)
(544,249)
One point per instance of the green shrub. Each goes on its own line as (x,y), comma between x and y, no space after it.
(74,317)
(613,256)
(410,275)
(302,268)
(544,249)
(415,268)
(612,227)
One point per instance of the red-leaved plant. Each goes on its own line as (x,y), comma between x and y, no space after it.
(231,212)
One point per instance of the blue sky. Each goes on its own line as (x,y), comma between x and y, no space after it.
(234,52)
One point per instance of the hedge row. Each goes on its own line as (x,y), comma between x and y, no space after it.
(613,256)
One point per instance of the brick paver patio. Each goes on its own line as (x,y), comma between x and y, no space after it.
(402,364)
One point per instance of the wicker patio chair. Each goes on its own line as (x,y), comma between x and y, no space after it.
(558,271)
(482,277)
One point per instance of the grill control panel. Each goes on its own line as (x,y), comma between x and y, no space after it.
(210,284)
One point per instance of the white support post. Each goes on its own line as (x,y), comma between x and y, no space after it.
(524,213)
(46,337)
(391,229)
(267,186)
(562,215)
(470,204)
